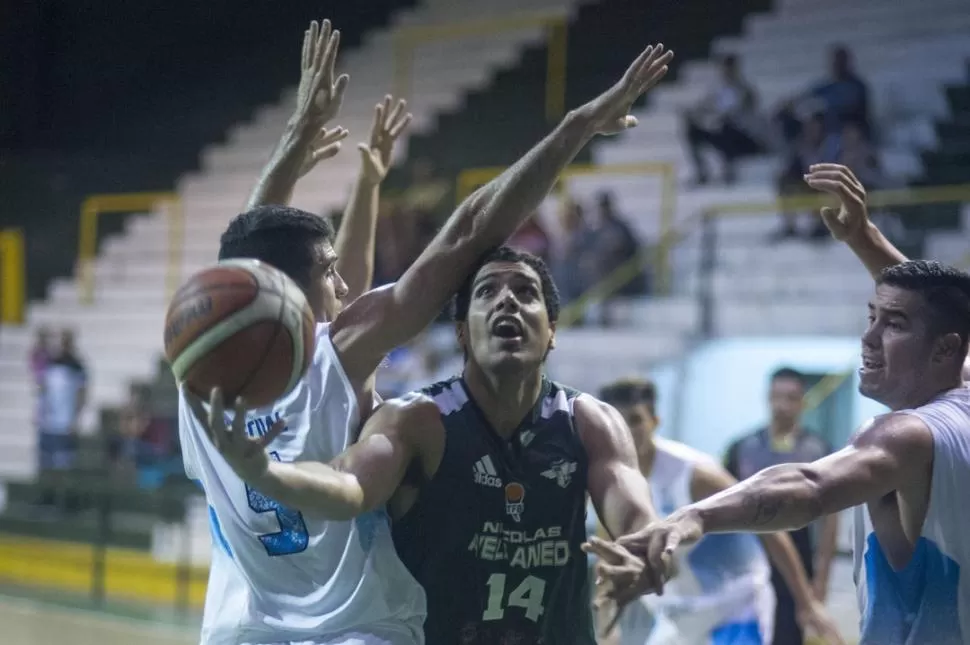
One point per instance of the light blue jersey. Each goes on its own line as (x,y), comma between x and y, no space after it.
(278,576)
(928,601)
(721,591)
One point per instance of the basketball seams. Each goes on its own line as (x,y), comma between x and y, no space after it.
(259,310)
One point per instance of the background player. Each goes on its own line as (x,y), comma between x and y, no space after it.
(326,579)
(721,592)
(785,440)
(909,467)
(485,475)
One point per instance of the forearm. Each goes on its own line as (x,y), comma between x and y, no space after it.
(874,250)
(826,548)
(355,239)
(313,488)
(515,194)
(785,557)
(280,174)
(779,498)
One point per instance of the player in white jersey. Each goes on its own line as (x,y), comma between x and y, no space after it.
(907,470)
(279,576)
(722,593)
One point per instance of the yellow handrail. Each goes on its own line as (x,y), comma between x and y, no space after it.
(95,205)
(407,39)
(877,199)
(13,276)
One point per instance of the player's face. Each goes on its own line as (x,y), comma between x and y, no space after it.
(785,397)
(897,348)
(508,325)
(641,421)
(326,289)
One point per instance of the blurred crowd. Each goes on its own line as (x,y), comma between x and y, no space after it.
(583,243)
(829,122)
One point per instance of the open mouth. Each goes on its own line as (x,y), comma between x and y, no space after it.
(507,327)
(869,363)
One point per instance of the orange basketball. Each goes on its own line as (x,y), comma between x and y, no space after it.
(243,326)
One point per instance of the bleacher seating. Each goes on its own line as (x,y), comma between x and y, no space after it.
(120,335)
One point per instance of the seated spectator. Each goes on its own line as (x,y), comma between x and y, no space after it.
(147,443)
(531,237)
(858,154)
(726,120)
(574,268)
(62,399)
(40,354)
(812,146)
(843,98)
(614,246)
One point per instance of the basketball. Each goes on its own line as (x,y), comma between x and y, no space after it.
(242,326)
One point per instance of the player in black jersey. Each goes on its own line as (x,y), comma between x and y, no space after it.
(485,476)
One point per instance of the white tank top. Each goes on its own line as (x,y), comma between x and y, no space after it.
(929,600)
(720,580)
(277,575)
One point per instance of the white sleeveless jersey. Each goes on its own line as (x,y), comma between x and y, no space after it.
(278,576)
(929,600)
(722,580)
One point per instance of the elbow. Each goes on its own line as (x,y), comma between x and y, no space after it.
(803,486)
(788,496)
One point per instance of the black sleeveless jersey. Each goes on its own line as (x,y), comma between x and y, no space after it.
(494,537)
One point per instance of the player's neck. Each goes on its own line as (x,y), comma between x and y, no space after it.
(503,400)
(646,455)
(783,430)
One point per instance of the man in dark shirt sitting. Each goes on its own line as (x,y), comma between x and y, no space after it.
(784,440)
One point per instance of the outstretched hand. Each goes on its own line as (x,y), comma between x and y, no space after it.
(388,126)
(321,92)
(852,216)
(609,112)
(245,455)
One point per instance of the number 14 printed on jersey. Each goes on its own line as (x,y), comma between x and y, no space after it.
(528,596)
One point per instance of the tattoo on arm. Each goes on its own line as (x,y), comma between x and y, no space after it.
(762,508)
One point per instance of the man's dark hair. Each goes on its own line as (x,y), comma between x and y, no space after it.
(789,373)
(631,391)
(283,237)
(945,289)
(550,294)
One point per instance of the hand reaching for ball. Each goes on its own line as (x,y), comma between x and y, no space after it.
(245,455)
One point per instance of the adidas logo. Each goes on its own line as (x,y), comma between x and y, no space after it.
(484,472)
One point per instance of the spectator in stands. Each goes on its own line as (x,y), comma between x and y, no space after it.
(615,246)
(40,354)
(842,98)
(531,237)
(784,440)
(857,154)
(812,146)
(575,267)
(147,444)
(725,119)
(62,398)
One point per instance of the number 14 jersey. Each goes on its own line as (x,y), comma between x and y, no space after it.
(494,537)
(276,575)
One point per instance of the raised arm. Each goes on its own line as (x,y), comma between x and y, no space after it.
(355,239)
(851,223)
(360,479)
(385,318)
(306,141)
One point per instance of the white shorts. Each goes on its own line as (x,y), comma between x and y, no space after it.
(344,639)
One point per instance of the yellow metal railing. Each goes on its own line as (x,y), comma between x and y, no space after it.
(407,39)
(470,179)
(13,276)
(674,235)
(96,205)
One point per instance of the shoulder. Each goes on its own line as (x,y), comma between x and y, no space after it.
(745,440)
(899,434)
(600,427)
(411,408)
